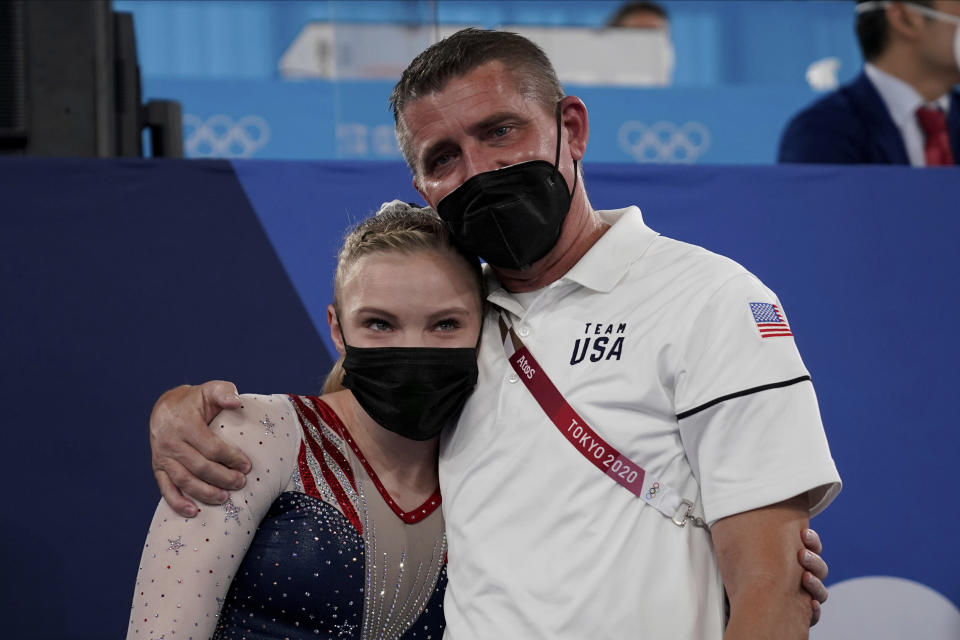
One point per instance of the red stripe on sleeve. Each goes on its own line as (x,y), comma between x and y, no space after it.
(342,499)
(317,411)
(306,476)
(346,506)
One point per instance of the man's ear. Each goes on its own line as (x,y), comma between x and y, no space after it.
(573,116)
(416,185)
(335,333)
(903,21)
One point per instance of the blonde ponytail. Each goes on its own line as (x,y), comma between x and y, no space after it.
(334,381)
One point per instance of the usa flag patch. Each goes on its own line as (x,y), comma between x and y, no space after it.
(770,320)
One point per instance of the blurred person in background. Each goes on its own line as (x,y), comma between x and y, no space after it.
(652,19)
(904,107)
(640,15)
(680,358)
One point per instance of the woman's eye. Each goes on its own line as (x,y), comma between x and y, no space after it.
(447,325)
(377,324)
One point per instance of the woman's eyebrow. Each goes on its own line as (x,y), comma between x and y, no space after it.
(376,311)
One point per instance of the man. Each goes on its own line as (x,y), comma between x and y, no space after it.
(652,19)
(903,108)
(640,15)
(678,373)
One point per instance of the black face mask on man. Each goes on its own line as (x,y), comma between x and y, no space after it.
(510,217)
(412,391)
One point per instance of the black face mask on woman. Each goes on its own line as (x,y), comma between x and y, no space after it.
(412,391)
(510,217)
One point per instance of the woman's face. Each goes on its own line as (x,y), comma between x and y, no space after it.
(398,299)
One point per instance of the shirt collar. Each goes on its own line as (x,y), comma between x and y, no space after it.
(604,264)
(901,99)
(608,260)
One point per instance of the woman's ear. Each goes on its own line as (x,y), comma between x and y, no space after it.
(335,333)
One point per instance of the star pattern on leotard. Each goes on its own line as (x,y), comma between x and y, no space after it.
(268,426)
(345,629)
(232,511)
(175,544)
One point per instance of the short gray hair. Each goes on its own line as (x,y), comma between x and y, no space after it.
(460,54)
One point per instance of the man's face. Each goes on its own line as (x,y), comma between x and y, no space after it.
(479,122)
(936,42)
(643,20)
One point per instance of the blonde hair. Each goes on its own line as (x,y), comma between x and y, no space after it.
(401,227)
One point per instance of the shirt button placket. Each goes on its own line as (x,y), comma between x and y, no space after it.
(523,331)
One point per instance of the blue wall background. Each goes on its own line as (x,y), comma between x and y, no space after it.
(740,74)
(717,42)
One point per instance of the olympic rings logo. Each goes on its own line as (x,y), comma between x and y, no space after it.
(355,139)
(220,137)
(664,141)
(652,491)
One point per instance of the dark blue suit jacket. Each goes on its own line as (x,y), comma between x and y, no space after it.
(852,125)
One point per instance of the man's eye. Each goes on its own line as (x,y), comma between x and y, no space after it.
(441,160)
(499,132)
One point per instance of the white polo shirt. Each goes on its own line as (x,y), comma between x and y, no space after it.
(642,330)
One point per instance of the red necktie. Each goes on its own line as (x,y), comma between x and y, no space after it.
(936,149)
